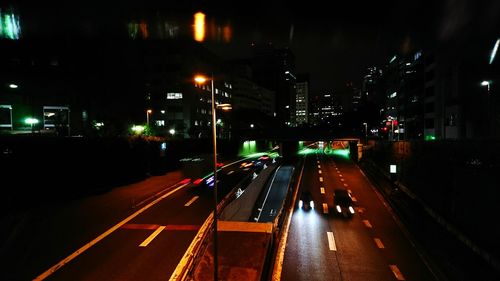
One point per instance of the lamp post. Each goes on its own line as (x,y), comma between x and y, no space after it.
(487,83)
(201,79)
(149,111)
(366,133)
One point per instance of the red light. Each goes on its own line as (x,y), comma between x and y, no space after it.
(185,181)
(198,181)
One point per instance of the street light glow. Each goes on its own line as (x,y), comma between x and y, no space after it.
(200,79)
(172,132)
(199,26)
(13,86)
(485,83)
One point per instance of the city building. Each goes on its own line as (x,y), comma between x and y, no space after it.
(302,100)
(274,69)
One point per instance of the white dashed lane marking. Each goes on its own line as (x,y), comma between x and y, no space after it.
(331,241)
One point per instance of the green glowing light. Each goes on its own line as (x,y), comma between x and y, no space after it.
(344,153)
(247,148)
(31,121)
(430,138)
(9,26)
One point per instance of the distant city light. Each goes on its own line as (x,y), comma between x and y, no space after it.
(13,86)
(393,59)
(172,132)
(199,26)
(494,51)
(251,125)
(138,129)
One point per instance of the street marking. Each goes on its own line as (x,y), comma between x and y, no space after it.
(361,210)
(322,189)
(367,223)
(342,179)
(340,175)
(319,171)
(319,166)
(379,243)
(317,161)
(331,241)
(354,199)
(152,236)
(325,208)
(345,184)
(182,227)
(321,179)
(102,236)
(230,172)
(191,201)
(396,272)
(140,226)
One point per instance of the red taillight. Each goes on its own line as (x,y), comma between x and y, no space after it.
(198,181)
(185,181)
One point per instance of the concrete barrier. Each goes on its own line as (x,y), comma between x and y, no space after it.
(241,208)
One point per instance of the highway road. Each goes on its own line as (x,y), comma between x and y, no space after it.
(135,232)
(372,245)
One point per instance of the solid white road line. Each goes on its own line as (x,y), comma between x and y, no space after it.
(379,243)
(325,208)
(102,236)
(396,272)
(322,190)
(331,241)
(152,236)
(191,201)
(367,223)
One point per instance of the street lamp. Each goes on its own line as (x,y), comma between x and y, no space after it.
(366,133)
(149,111)
(201,80)
(487,84)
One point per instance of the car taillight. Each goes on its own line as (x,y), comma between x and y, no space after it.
(197,181)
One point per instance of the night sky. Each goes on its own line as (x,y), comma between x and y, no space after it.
(334,45)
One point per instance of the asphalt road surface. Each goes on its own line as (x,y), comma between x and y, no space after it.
(372,245)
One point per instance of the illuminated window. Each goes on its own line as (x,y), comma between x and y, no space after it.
(6,116)
(55,116)
(160,123)
(174,96)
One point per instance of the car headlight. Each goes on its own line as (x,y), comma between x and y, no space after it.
(351,209)
(338,209)
(312,204)
(301,203)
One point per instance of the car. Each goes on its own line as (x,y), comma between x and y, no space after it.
(306,202)
(342,200)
